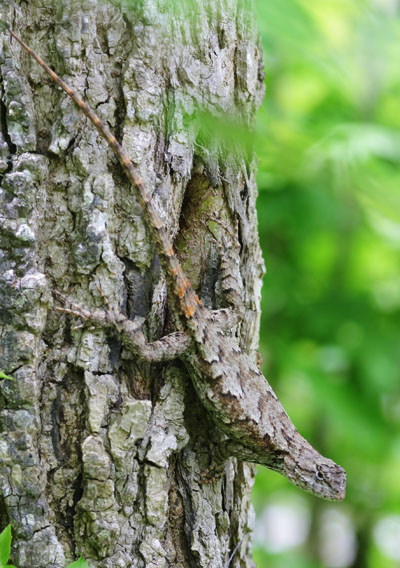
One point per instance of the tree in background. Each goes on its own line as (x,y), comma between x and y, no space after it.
(329,213)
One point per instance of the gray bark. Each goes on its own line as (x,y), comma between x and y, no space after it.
(99,453)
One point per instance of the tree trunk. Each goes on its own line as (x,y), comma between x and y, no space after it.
(100,453)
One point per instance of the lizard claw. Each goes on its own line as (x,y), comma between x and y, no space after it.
(212,473)
(216,469)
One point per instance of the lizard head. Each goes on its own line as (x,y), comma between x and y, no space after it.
(317,475)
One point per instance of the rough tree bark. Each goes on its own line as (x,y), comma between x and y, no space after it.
(100,454)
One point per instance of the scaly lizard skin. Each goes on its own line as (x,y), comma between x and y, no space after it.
(230,386)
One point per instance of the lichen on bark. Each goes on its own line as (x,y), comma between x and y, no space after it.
(100,453)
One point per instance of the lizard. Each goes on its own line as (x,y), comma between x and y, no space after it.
(229,384)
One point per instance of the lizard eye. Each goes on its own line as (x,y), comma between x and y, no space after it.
(319,475)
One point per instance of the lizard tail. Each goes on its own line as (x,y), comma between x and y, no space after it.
(188,301)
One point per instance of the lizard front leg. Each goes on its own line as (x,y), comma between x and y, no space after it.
(224,318)
(231,287)
(167,348)
(231,279)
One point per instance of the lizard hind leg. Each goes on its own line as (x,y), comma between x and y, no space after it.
(167,348)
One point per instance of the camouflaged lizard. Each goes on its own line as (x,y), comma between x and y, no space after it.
(233,390)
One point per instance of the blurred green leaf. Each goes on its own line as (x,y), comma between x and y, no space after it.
(5,377)
(328,141)
(5,546)
(80,563)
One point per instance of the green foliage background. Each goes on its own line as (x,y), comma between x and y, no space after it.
(328,140)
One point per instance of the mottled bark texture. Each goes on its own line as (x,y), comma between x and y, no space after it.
(100,454)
